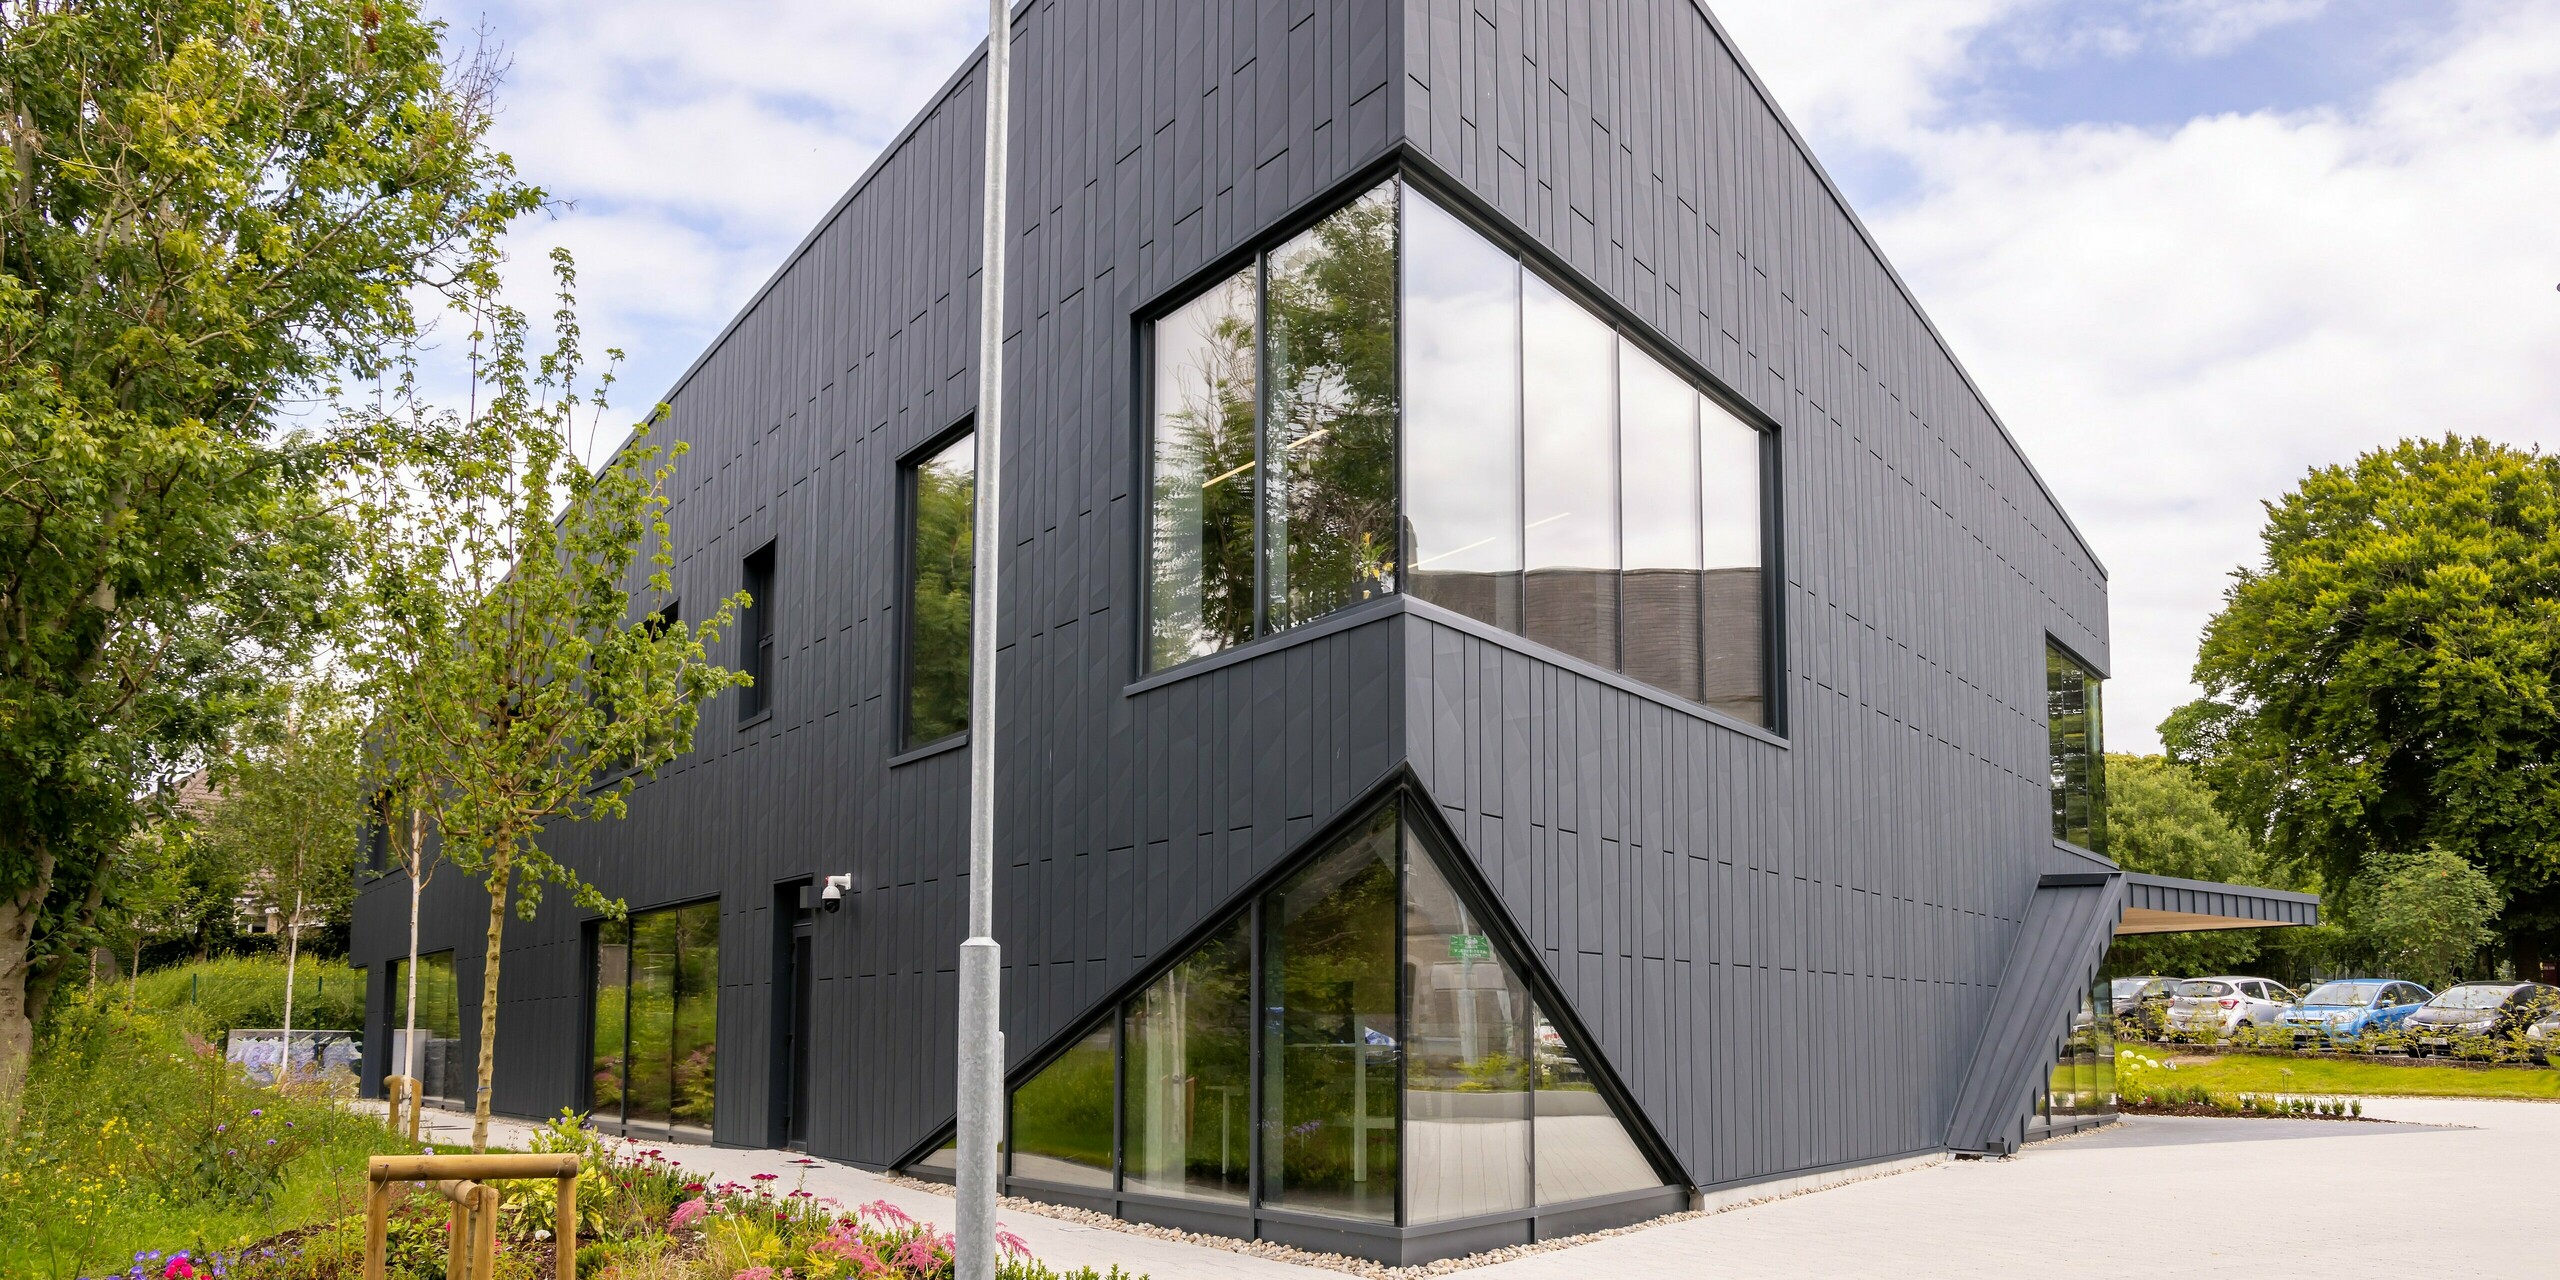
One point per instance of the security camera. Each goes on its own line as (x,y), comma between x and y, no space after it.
(831,898)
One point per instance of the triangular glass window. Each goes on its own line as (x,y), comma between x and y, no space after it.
(1062,1116)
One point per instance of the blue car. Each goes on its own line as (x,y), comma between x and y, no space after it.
(2344,1008)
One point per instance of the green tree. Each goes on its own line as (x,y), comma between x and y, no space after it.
(2385,674)
(2424,914)
(2162,820)
(540,693)
(292,812)
(210,211)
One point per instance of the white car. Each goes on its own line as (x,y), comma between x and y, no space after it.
(2232,1002)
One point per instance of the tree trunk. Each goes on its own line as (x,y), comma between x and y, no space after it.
(411,1066)
(498,872)
(292,952)
(19,913)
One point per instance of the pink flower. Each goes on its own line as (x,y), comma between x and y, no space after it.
(179,1269)
(886,1214)
(688,1213)
(1011,1243)
(920,1256)
(754,1273)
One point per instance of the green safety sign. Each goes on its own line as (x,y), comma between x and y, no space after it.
(1470,946)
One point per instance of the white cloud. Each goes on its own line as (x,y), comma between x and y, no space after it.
(2178,323)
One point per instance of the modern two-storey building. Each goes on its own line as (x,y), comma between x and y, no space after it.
(1534,688)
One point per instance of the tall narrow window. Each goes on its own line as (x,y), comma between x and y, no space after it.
(1200,566)
(1329,420)
(1461,418)
(755,634)
(434,1059)
(1467,1059)
(2073,725)
(941,502)
(1733,593)
(1188,1086)
(1330,1045)
(609,1052)
(1658,610)
(1569,594)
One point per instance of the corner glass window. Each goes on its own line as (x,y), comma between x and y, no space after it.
(1405,1071)
(1557,480)
(1062,1116)
(656,1020)
(942,503)
(2078,751)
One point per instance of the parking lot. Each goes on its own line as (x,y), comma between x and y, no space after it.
(2150,1196)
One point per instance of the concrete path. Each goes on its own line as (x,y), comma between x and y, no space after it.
(2152,1196)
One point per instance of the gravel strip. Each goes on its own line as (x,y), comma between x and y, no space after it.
(1357,1266)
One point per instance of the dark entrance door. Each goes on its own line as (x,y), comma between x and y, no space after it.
(794,983)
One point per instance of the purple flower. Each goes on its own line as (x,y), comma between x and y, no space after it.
(257,1111)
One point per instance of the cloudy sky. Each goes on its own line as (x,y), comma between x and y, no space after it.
(2190,248)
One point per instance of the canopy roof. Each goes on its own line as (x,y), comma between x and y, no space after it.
(2165,904)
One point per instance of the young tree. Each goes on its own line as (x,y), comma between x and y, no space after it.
(2161,820)
(209,211)
(549,694)
(2387,672)
(2423,915)
(291,811)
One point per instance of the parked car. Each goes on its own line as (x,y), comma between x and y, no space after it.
(2344,1008)
(2477,1009)
(2543,1038)
(2130,994)
(2234,1002)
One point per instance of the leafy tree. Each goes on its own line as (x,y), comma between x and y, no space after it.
(2161,820)
(2423,915)
(2385,676)
(210,211)
(540,693)
(291,811)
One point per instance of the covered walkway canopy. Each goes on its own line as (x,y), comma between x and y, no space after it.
(2165,904)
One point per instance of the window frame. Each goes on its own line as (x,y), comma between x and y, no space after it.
(1254,255)
(591,937)
(2097,789)
(757,637)
(909,463)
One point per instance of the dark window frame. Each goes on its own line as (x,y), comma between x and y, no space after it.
(1411,175)
(756,630)
(591,934)
(901,748)
(2095,787)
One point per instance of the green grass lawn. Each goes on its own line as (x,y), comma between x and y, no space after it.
(2235,1073)
(136,1136)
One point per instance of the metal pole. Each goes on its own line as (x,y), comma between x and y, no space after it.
(981,1083)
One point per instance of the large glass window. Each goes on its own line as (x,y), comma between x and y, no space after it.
(1402,1064)
(1329,1025)
(1189,1082)
(434,1059)
(1467,1032)
(1062,1116)
(1329,414)
(1461,418)
(1200,566)
(2073,723)
(941,500)
(655,1050)
(1558,480)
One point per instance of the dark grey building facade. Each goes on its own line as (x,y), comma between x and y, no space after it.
(1533,684)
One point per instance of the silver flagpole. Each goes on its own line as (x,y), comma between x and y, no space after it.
(981,1121)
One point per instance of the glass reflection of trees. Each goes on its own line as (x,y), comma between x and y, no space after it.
(655,1051)
(439,1067)
(1201,555)
(2074,723)
(941,497)
(1329,443)
(1428,1073)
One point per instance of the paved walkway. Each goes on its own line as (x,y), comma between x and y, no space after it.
(2153,1195)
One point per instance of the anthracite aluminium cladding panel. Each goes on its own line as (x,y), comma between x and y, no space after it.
(1784,943)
